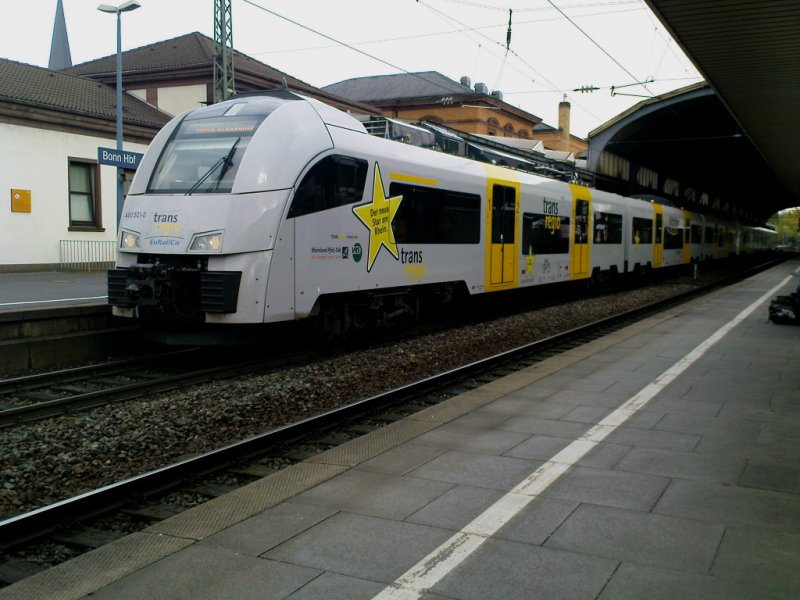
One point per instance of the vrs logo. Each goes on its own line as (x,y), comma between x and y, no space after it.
(358,252)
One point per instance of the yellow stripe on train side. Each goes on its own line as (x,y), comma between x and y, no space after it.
(413,179)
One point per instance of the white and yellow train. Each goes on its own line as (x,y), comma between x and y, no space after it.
(277,207)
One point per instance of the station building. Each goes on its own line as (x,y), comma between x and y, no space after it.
(60,210)
(430,96)
(60,203)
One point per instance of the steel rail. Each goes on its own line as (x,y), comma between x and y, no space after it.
(87,400)
(12,384)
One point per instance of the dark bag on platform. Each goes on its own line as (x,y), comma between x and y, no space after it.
(785,310)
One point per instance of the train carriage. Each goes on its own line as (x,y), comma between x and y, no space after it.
(276,207)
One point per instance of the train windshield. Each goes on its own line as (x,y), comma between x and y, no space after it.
(204,155)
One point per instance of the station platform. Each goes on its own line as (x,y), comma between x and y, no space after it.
(51,289)
(660,461)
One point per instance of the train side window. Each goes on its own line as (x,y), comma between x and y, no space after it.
(503,214)
(545,234)
(581,221)
(697,234)
(673,238)
(642,230)
(333,181)
(659,228)
(435,216)
(709,235)
(607,228)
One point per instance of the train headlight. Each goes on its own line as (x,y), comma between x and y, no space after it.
(206,242)
(129,240)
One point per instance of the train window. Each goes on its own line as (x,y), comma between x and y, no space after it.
(697,234)
(673,238)
(545,234)
(581,221)
(504,210)
(203,155)
(659,228)
(607,228)
(709,235)
(642,231)
(434,216)
(333,181)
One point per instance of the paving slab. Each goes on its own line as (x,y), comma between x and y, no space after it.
(610,488)
(717,503)
(639,537)
(635,582)
(684,465)
(514,571)
(202,572)
(369,548)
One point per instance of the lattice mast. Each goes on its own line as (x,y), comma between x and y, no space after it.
(224,85)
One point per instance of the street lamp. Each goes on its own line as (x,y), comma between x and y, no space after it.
(118,10)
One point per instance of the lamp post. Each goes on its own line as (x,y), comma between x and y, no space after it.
(118,10)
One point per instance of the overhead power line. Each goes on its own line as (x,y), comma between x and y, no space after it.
(346,45)
(603,50)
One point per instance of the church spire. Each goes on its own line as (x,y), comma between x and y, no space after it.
(60,57)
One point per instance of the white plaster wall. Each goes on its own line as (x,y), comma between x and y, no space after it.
(175,100)
(38,160)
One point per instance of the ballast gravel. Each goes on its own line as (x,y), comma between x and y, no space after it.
(46,461)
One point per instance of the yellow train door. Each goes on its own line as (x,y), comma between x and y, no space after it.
(502,235)
(658,239)
(581,232)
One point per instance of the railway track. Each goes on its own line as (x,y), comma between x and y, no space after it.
(48,395)
(294,441)
(44,395)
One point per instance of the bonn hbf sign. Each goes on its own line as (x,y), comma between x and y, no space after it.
(119,158)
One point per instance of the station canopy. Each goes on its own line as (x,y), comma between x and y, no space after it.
(735,137)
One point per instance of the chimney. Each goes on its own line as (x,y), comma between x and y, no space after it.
(466,81)
(563,125)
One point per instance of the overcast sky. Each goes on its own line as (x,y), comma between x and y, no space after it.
(556,46)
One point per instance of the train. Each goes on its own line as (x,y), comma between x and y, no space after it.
(276,207)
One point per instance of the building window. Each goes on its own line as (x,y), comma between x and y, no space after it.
(84,196)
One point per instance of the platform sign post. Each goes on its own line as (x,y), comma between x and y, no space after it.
(127,6)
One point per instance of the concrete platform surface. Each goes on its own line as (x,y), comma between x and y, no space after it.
(661,461)
(51,289)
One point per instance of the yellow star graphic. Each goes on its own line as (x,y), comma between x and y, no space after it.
(529,260)
(377,216)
